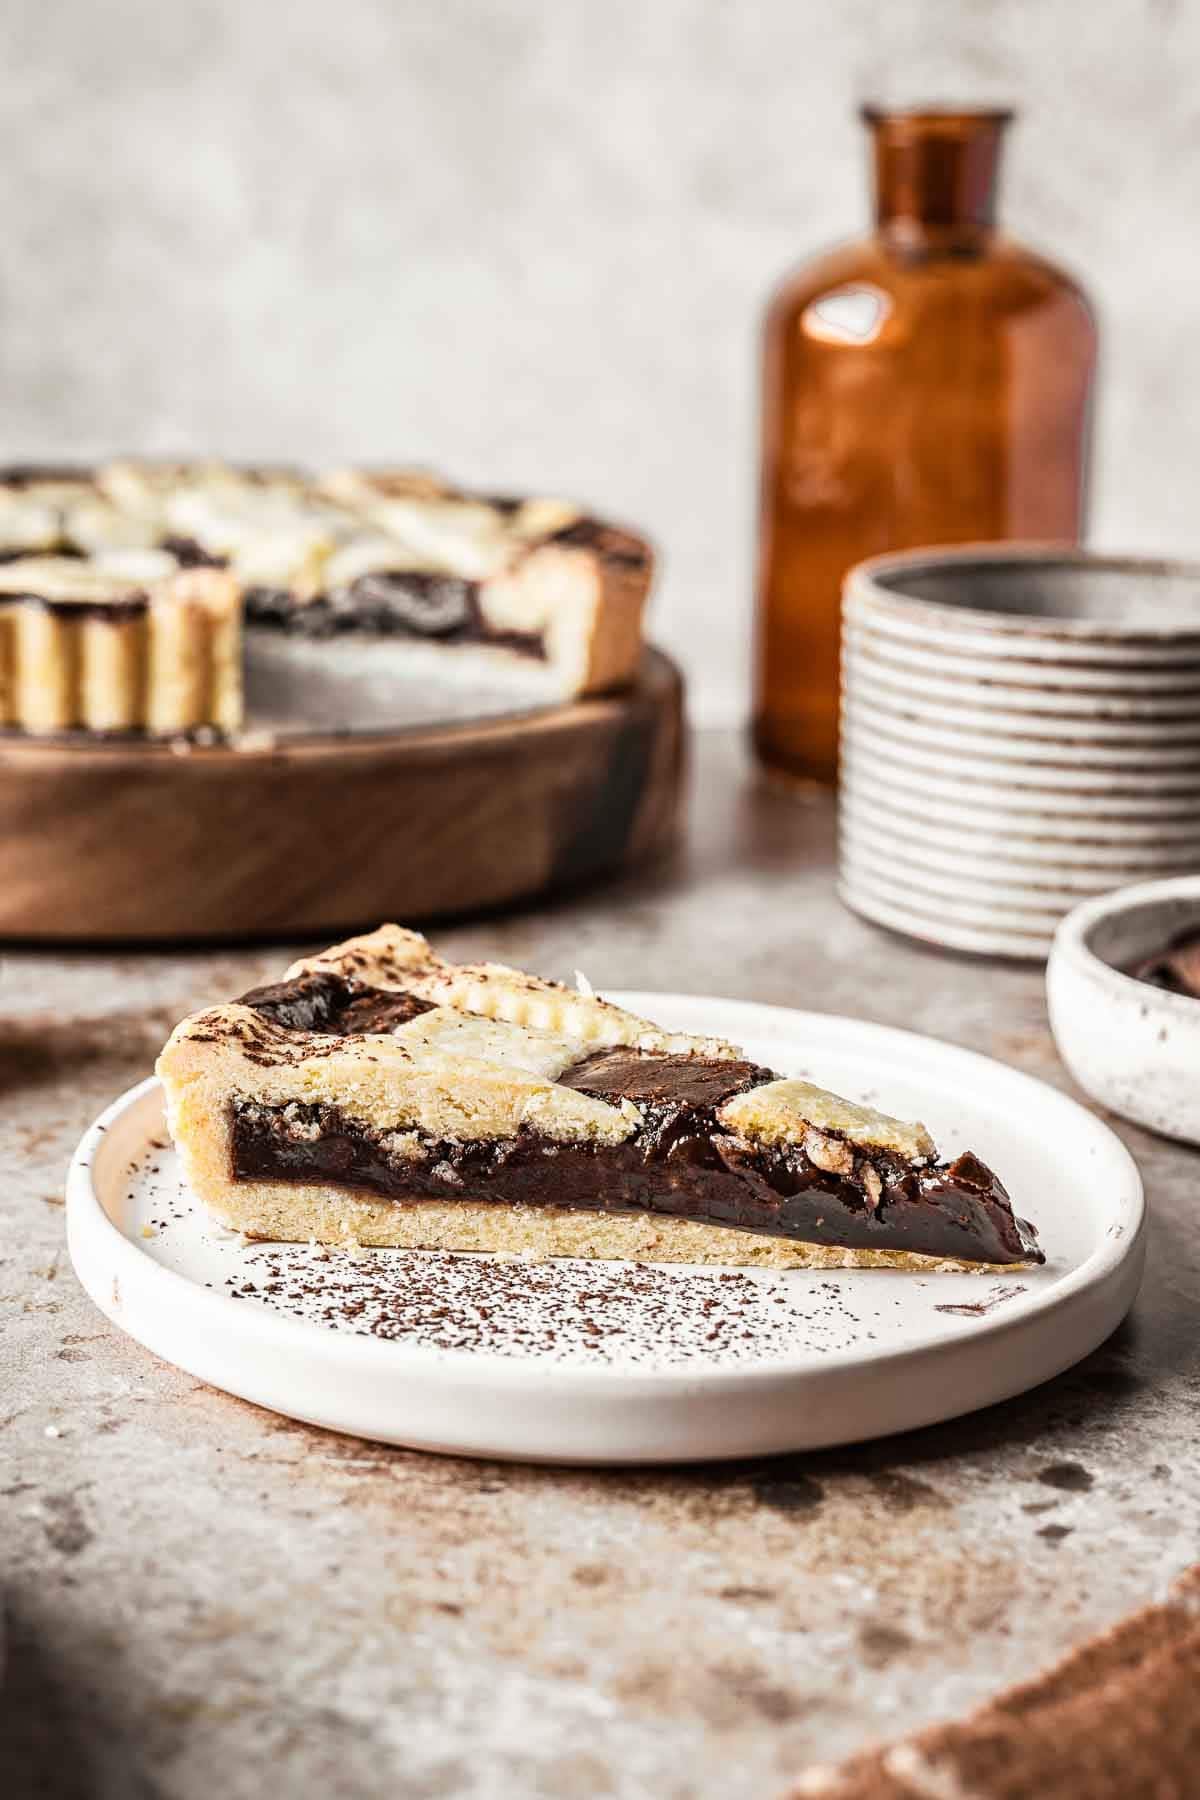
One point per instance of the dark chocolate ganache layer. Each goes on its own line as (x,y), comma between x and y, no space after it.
(332,1005)
(679,1163)
(390,603)
(113,612)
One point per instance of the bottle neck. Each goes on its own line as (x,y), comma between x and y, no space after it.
(935,179)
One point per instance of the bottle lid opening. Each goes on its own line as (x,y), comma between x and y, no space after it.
(936,171)
(934,118)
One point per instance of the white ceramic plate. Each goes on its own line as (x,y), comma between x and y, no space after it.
(987,905)
(979,933)
(1060,673)
(1022,638)
(942,733)
(1053,837)
(1119,691)
(961,865)
(999,710)
(1115,779)
(943,779)
(575,1362)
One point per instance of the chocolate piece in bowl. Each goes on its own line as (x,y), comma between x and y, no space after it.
(384,1096)
(1176,968)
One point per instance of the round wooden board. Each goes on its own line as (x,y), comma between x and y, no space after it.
(139,842)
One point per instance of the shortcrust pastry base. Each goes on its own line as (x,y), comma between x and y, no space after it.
(172,666)
(300,1212)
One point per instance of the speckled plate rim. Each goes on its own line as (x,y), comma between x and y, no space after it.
(484,1404)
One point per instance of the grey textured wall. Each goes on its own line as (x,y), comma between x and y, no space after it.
(530,242)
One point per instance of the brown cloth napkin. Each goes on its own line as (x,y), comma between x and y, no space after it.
(1117,1719)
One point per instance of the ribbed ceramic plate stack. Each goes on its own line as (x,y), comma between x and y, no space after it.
(1020,729)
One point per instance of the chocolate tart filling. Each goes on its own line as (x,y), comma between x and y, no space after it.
(333,1005)
(109,612)
(679,1163)
(391,603)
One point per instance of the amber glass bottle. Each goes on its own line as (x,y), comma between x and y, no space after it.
(927,385)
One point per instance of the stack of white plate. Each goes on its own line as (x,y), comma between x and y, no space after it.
(1020,729)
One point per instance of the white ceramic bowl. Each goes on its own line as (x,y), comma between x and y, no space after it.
(1131,1046)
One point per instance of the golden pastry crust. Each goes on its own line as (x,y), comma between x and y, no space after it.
(396,959)
(88,647)
(301,1212)
(376,1080)
(785,1112)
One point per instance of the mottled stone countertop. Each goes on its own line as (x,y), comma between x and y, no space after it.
(204,1599)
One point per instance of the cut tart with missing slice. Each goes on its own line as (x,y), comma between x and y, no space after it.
(362,578)
(382,1096)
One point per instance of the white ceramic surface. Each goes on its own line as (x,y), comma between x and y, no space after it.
(1066,664)
(1165,683)
(934,925)
(848,1356)
(1020,598)
(1098,836)
(982,910)
(1024,746)
(972,838)
(1131,1046)
(941,779)
(1115,659)
(1040,712)
(1074,777)
(958,868)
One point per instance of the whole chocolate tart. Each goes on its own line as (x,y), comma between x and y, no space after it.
(380,1095)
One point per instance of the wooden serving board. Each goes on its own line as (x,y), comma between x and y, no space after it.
(140,842)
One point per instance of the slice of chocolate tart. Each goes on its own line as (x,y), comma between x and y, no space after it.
(380,1095)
